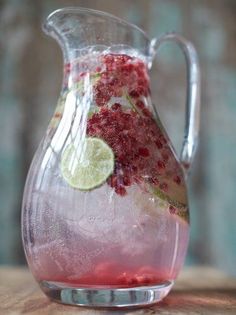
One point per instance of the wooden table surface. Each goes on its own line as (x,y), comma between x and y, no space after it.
(197,291)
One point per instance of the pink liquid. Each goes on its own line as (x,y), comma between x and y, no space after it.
(77,261)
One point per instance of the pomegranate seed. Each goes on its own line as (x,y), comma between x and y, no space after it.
(143,152)
(159,144)
(67,67)
(116,106)
(134,94)
(132,280)
(165,156)
(154,180)
(140,104)
(120,190)
(126,278)
(128,68)
(164,187)
(126,181)
(146,112)
(177,179)
(161,164)
(91,130)
(57,115)
(163,139)
(145,279)
(112,181)
(98,69)
(172,210)
(94,119)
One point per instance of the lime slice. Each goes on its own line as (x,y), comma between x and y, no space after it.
(87,167)
(176,194)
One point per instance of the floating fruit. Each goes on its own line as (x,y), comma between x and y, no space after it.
(88,167)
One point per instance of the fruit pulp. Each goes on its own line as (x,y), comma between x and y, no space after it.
(133,229)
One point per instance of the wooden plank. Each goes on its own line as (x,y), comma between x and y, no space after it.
(197,291)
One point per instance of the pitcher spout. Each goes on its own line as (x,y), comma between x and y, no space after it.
(79,29)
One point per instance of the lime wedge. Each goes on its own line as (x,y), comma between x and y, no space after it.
(87,167)
(176,197)
(176,194)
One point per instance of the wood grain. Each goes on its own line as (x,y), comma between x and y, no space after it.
(197,291)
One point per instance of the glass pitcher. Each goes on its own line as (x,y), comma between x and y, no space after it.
(105,218)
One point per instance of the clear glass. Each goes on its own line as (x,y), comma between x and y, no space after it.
(105,218)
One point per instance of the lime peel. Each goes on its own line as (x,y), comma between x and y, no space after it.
(176,198)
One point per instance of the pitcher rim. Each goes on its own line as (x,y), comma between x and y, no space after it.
(99,13)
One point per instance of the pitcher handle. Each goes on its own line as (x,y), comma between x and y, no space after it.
(192,116)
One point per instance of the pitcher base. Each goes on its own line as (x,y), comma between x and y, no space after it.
(106,297)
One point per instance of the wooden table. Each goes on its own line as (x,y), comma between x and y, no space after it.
(197,291)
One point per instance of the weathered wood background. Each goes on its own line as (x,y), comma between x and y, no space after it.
(30,78)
